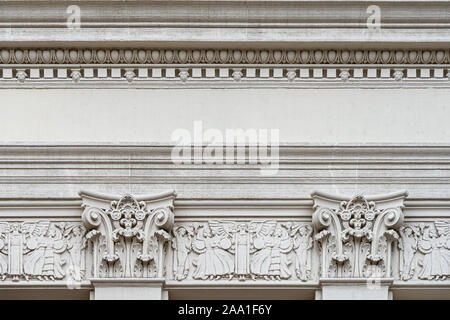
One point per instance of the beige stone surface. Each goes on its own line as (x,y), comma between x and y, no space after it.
(302,116)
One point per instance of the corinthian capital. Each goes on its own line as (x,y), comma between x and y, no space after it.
(127,235)
(355,235)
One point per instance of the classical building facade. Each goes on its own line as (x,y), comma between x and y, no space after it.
(127,163)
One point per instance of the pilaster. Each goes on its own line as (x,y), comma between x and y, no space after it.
(354,289)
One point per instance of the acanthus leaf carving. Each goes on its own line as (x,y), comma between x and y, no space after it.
(356,236)
(128,237)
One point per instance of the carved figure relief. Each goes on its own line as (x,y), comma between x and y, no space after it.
(127,238)
(407,244)
(181,243)
(76,244)
(39,250)
(272,243)
(355,237)
(425,251)
(303,244)
(4,250)
(213,261)
(243,250)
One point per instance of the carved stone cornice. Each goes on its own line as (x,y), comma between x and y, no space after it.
(259,12)
(217,22)
(232,44)
(226,67)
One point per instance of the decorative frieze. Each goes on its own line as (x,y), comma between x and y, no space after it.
(133,238)
(243,250)
(425,251)
(42,250)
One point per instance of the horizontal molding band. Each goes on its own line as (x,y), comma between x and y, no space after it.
(437,24)
(236,284)
(224,285)
(215,24)
(181,203)
(244,13)
(82,151)
(191,210)
(235,56)
(227,37)
(442,83)
(223,68)
(162,164)
(221,180)
(60,171)
(33,284)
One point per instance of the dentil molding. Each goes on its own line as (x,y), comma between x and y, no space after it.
(228,67)
(223,44)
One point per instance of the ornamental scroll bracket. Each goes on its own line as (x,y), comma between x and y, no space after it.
(127,236)
(355,235)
